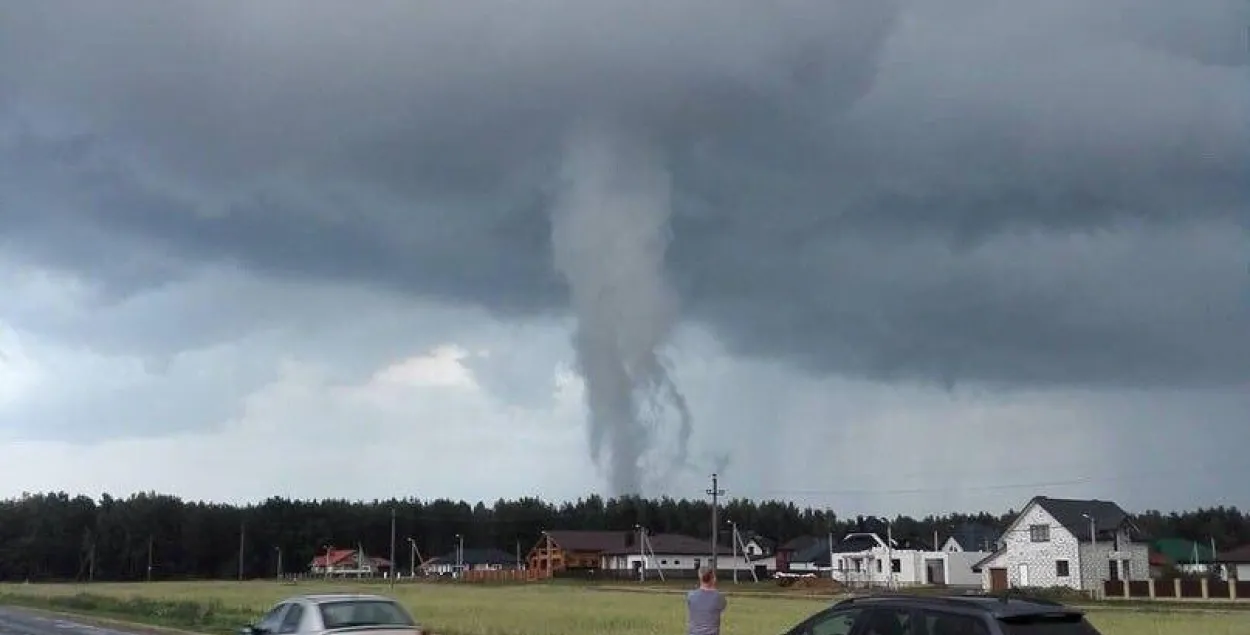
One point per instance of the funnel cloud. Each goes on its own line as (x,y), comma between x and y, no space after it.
(610,229)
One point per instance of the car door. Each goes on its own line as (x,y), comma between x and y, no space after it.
(835,621)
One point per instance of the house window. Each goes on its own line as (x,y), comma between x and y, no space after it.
(896,565)
(664,562)
(1039,533)
(878,566)
(1061,568)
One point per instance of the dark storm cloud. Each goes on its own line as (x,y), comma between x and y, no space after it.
(977,190)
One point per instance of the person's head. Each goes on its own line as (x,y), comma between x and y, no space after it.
(707,577)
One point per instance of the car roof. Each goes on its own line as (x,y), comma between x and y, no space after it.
(321,598)
(996,606)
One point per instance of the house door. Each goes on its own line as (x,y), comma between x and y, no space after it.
(1114,571)
(935,572)
(998,579)
(1023,578)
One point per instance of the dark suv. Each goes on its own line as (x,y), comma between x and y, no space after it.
(946,615)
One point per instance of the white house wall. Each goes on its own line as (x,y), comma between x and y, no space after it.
(911,567)
(1038,557)
(1241,571)
(959,567)
(1087,567)
(672,562)
(1095,561)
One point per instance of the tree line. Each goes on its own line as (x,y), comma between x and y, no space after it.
(56,536)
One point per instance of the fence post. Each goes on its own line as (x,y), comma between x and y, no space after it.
(1126,593)
(1232,589)
(1176,588)
(1151,586)
(1206,589)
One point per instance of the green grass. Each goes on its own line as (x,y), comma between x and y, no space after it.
(535,609)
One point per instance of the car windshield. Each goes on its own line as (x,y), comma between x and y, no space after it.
(348,613)
(1065,624)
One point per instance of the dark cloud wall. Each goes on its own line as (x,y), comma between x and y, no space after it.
(1017,194)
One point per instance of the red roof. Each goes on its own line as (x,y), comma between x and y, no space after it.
(336,557)
(342,557)
(1159,560)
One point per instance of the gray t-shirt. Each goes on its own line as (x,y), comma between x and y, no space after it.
(704,607)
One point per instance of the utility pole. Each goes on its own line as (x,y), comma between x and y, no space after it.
(642,553)
(459,555)
(150,557)
(518,554)
(91,561)
(412,558)
(889,551)
(392,571)
(278,550)
(242,539)
(716,492)
(733,542)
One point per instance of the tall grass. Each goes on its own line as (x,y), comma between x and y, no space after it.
(537,609)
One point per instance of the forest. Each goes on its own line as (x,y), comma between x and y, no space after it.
(54,536)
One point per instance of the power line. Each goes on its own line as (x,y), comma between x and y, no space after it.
(965,488)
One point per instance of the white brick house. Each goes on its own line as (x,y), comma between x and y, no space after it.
(1048,545)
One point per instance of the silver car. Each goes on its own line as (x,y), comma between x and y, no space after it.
(335,613)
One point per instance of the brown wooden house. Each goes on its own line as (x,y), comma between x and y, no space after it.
(575,550)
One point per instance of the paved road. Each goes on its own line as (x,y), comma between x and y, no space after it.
(14,621)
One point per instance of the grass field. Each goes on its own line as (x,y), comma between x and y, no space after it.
(538,609)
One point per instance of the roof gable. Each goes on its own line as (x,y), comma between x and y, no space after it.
(1075,515)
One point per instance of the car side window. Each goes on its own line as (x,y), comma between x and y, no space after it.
(939,623)
(831,622)
(271,620)
(888,621)
(290,622)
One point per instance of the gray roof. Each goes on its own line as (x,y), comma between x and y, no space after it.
(974,537)
(471,557)
(1071,513)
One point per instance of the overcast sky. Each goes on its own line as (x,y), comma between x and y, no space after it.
(897,256)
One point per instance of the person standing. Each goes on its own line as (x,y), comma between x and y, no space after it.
(704,606)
